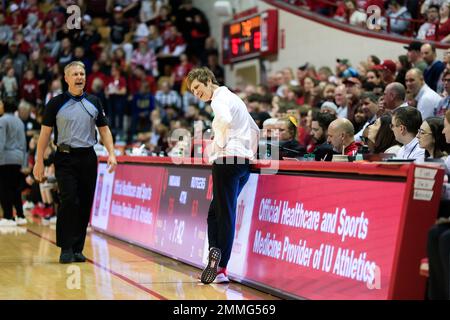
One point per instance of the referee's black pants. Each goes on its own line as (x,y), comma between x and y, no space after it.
(228,181)
(76,174)
(10,190)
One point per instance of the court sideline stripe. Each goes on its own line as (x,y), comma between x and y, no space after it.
(128,280)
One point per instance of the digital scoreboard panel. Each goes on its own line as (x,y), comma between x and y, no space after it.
(250,37)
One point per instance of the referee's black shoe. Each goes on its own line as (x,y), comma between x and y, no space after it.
(66,256)
(79,257)
(210,272)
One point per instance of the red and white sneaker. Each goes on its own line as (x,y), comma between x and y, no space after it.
(222,277)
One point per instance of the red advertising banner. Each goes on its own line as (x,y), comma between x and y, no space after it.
(135,203)
(325,238)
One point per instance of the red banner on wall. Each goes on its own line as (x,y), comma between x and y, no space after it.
(135,203)
(324,238)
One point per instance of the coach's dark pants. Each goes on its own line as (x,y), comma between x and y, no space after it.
(228,181)
(76,173)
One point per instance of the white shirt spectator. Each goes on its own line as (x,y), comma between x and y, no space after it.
(235,132)
(358,18)
(411,150)
(342,112)
(427,101)
(422,33)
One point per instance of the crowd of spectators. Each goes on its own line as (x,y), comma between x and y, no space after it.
(426,20)
(136,56)
(137,59)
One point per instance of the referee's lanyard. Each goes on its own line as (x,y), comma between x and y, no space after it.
(414,148)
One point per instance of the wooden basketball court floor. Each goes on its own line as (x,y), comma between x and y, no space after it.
(29,270)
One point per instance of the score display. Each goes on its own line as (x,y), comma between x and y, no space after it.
(250,37)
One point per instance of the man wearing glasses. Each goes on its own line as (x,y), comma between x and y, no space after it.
(443,105)
(406,122)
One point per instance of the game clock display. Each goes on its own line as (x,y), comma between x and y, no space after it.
(251,37)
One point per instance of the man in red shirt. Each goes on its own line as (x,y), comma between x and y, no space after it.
(29,89)
(341,135)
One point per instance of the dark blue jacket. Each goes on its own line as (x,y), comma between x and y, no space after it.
(432,74)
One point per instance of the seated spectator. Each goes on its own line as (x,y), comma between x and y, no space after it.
(289,147)
(381,139)
(403,65)
(149,10)
(116,90)
(405,124)
(359,118)
(427,99)
(145,57)
(180,72)
(441,32)
(434,68)
(373,61)
(165,96)
(389,71)
(55,89)
(431,138)
(329,92)
(190,99)
(29,90)
(374,77)
(344,69)
(369,103)
(173,45)
(9,84)
(394,96)
(96,73)
(432,19)
(354,16)
(341,137)
(319,130)
(329,107)
(340,98)
(142,106)
(399,17)
(444,104)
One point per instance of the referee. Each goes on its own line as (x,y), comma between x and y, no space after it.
(74,115)
(234,146)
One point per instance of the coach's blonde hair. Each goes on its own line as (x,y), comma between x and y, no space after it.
(202,75)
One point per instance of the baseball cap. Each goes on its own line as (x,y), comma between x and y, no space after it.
(343,61)
(329,105)
(389,65)
(353,80)
(303,67)
(118,9)
(349,72)
(414,46)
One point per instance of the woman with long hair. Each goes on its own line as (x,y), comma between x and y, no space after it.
(431,138)
(380,136)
